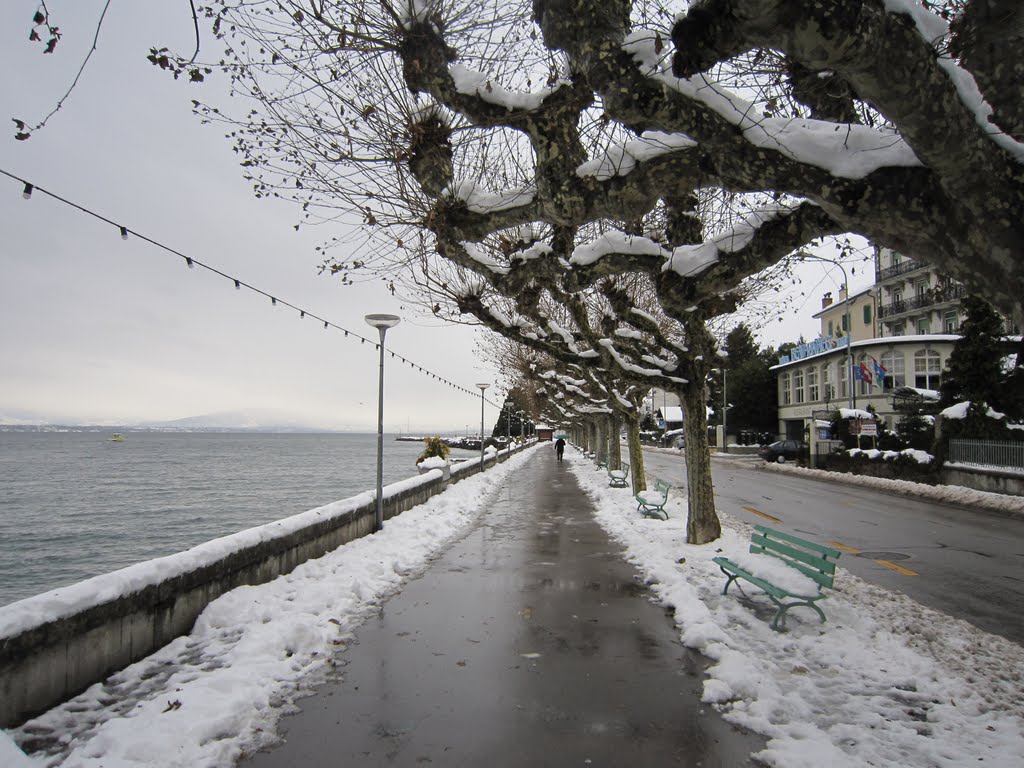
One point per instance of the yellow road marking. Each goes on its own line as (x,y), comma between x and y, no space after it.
(843,547)
(897,568)
(762,514)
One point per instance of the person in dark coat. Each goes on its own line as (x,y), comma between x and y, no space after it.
(559,447)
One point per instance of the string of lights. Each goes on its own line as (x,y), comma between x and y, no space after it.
(191,262)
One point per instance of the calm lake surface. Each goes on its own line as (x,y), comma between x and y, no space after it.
(75,504)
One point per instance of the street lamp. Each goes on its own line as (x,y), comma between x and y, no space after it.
(725,407)
(849,324)
(509,405)
(725,411)
(482,388)
(381,323)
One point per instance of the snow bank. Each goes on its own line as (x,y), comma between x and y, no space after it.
(885,682)
(210,697)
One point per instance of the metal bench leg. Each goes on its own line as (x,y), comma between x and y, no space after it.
(732,578)
(779,622)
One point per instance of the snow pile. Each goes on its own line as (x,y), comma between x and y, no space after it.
(210,697)
(952,494)
(921,457)
(434,462)
(885,682)
(776,572)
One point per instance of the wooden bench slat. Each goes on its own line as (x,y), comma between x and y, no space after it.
(824,579)
(769,546)
(772,533)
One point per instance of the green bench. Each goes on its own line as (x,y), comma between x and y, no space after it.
(617,477)
(652,503)
(816,563)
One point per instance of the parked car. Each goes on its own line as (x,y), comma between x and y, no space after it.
(782,451)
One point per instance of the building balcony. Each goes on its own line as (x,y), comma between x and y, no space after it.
(881,275)
(929,298)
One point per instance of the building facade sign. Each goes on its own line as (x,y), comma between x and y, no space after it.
(816,347)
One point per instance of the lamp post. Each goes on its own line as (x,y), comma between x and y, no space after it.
(381,323)
(725,406)
(482,388)
(509,405)
(849,324)
(725,411)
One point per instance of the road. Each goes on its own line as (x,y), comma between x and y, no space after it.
(964,562)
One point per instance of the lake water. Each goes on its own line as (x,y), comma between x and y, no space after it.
(75,504)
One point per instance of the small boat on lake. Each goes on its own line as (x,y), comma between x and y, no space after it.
(117,437)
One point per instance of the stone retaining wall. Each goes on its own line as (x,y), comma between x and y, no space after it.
(47,655)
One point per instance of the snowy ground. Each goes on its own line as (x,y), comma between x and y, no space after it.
(885,682)
(206,699)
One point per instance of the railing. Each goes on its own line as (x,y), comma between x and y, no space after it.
(987,453)
(929,298)
(899,269)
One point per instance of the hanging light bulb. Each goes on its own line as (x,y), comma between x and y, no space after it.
(189,262)
(238,285)
(28,191)
(124,233)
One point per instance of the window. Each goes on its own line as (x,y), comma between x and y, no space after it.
(951,322)
(895,375)
(844,378)
(927,369)
(798,386)
(867,314)
(921,288)
(897,296)
(830,329)
(828,392)
(898,329)
(812,385)
(923,326)
(787,394)
(846,325)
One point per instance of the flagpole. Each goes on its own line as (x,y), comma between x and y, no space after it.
(849,326)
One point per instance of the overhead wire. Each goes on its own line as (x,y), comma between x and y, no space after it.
(191,262)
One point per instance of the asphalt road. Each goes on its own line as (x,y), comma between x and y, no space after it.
(964,562)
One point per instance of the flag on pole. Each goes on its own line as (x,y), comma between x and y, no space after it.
(880,371)
(864,373)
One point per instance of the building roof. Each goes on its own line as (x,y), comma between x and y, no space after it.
(840,302)
(671,413)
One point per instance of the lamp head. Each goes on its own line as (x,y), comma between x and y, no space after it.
(483,387)
(383,321)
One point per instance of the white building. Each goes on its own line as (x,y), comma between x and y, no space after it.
(897,333)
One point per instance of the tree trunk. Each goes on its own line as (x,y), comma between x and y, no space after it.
(636,454)
(614,444)
(702,524)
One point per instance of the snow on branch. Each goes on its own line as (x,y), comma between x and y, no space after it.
(620,160)
(472,83)
(480,200)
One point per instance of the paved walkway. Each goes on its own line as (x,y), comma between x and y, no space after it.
(528,643)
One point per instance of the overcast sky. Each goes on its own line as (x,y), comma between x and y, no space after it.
(96,328)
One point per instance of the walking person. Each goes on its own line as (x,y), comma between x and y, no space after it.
(560,447)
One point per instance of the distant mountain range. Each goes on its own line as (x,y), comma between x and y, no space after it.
(253,420)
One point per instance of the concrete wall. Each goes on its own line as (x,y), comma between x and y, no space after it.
(57,658)
(987,479)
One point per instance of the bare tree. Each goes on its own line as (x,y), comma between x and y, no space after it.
(521,162)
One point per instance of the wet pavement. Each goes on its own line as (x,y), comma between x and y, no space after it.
(529,642)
